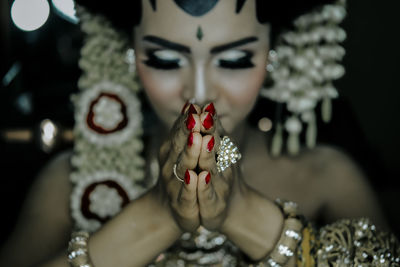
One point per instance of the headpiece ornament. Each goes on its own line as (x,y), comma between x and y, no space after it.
(303,66)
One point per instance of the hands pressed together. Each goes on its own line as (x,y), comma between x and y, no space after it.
(202,195)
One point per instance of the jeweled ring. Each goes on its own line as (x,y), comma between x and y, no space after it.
(227,154)
(176,175)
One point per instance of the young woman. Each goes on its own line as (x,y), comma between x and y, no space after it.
(201,65)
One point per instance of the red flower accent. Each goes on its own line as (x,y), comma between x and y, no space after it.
(97,128)
(85,203)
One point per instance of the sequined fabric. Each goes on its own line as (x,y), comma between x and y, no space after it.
(348,242)
(201,248)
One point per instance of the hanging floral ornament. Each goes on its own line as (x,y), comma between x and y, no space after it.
(108,114)
(98,197)
(107,165)
(303,67)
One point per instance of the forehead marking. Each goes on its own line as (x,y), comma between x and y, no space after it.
(199,33)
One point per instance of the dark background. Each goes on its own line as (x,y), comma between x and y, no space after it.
(365,118)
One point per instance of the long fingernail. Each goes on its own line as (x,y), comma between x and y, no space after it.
(187,177)
(211,109)
(208,122)
(190,139)
(192,109)
(184,107)
(208,178)
(190,122)
(210,144)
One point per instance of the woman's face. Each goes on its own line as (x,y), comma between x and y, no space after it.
(218,57)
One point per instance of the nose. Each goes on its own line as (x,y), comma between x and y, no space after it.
(199,89)
(199,86)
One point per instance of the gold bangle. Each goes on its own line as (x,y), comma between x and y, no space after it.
(78,254)
(290,237)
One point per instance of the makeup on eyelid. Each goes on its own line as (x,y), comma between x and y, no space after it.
(226,67)
(163,59)
(169,59)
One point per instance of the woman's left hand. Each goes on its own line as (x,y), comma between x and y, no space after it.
(214,188)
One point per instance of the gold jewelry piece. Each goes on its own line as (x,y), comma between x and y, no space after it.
(290,237)
(227,154)
(176,175)
(78,254)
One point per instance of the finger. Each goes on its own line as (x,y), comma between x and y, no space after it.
(164,151)
(212,193)
(184,201)
(208,151)
(189,158)
(210,108)
(180,137)
(207,123)
(191,108)
(166,146)
(182,190)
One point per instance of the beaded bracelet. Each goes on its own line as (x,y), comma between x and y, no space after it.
(78,254)
(290,237)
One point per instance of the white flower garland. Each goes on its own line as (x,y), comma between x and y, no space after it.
(108,114)
(107,166)
(88,209)
(303,67)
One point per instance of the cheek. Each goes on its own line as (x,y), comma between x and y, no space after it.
(241,90)
(160,86)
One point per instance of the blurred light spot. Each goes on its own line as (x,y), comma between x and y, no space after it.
(24,103)
(29,15)
(265,124)
(68,135)
(48,134)
(11,73)
(66,9)
(19,135)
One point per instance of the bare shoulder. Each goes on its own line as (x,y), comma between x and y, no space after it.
(346,189)
(330,161)
(53,180)
(44,216)
(60,165)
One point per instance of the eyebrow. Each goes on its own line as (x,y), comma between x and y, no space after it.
(165,43)
(182,48)
(228,46)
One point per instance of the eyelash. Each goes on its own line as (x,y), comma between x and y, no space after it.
(162,64)
(241,63)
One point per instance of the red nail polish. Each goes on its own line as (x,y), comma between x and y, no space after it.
(210,144)
(208,122)
(190,139)
(190,122)
(208,178)
(184,107)
(211,109)
(187,177)
(192,109)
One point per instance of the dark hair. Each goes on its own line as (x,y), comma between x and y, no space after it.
(279,13)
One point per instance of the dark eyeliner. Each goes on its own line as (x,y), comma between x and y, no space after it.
(157,63)
(241,63)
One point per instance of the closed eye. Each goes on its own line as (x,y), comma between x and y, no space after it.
(164,59)
(235,59)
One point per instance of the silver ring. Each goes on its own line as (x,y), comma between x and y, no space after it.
(176,175)
(227,154)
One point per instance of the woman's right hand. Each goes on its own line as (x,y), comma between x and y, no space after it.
(183,149)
